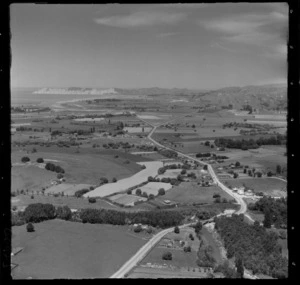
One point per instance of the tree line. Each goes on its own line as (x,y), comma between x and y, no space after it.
(251,143)
(39,212)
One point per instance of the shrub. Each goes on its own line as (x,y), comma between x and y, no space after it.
(25,159)
(187,249)
(114,179)
(150,179)
(92,188)
(216,195)
(30,227)
(40,160)
(183,171)
(59,176)
(151,197)
(92,200)
(129,192)
(138,229)
(64,213)
(39,212)
(144,194)
(176,230)
(103,180)
(198,227)
(217,200)
(167,256)
(191,236)
(149,230)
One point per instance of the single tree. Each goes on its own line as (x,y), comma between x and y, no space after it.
(161,192)
(30,227)
(176,230)
(268,219)
(239,267)
(25,159)
(198,227)
(138,192)
(278,169)
(167,256)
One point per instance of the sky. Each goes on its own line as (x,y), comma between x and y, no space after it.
(196,46)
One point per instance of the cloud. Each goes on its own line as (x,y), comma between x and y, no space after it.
(262,30)
(164,35)
(185,5)
(141,19)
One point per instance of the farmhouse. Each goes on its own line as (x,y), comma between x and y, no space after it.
(249,192)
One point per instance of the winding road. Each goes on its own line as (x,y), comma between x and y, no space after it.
(155,239)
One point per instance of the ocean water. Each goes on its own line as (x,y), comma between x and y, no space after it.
(25,96)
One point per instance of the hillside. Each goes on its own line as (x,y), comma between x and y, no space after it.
(268,97)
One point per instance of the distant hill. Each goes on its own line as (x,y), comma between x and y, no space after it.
(75,90)
(264,96)
(159,91)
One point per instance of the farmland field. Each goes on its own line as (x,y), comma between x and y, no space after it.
(266,157)
(125,199)
(30,177)
(100,250)
(67,189)
(190,192)
(153,187)
(84,168)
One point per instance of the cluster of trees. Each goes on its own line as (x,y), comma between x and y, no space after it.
(258,249)
(64,213)
(251,143)
(168,153)
(205,215)
(147,147)
(247,107)
(227,270)
(23,129)
(275,211)
(117,145)
(211,155)
(56,168)
(162,219)
(208,154)
(39,212)
(103,180)
(80,193)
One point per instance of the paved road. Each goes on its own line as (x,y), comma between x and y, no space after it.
(142,252)
(155,239)
(238,198)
